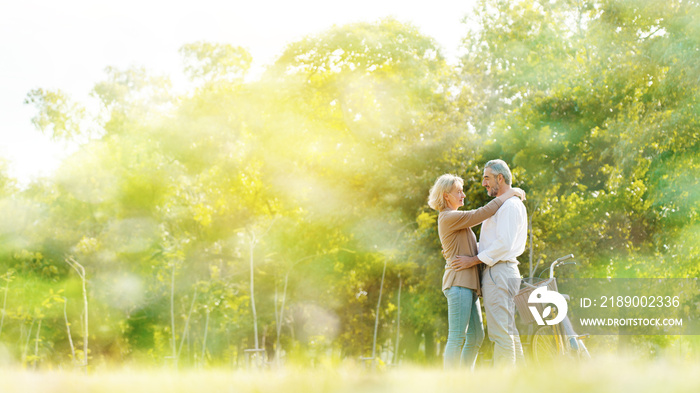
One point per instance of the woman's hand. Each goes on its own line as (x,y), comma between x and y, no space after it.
(463,263)
(520,193)
(515,191)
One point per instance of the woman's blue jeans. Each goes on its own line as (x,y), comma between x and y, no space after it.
(466,328)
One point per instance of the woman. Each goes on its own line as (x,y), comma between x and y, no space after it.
(460,283)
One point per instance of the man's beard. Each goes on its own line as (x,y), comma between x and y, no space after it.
(493,191)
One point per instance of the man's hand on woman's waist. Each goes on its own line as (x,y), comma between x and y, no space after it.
(463,262)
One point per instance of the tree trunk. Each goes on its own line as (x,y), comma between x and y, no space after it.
(172,316)
(398,324)
(204,340)
(4,302)
(187,325)
(280,318)
(86,329)
(36,345)
(70,337)
(376,319)
(81,272)
(252,290)
(26,344)
(430,349)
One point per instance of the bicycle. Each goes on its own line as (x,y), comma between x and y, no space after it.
(549,341)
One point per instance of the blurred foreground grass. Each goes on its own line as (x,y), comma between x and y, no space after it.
(602,375)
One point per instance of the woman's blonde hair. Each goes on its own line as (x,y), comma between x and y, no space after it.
(443,185)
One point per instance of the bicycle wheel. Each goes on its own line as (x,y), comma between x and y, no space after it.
(546,345)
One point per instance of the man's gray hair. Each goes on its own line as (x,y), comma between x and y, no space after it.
(500,167)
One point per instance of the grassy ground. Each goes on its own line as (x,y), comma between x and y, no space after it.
(602,375)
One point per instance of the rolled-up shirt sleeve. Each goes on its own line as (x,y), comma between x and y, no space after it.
(506,233)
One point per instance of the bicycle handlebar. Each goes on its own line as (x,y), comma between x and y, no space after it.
(558,261)
(554,264)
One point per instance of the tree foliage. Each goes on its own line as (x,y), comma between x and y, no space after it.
(319,170)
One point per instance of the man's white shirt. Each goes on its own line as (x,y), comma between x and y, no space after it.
(503,235)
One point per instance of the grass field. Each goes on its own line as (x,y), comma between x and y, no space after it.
(602,375)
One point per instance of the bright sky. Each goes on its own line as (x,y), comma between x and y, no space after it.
(67,44)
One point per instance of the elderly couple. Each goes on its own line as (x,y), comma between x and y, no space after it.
(488,268)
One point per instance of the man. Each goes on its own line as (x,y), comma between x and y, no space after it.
(502,240)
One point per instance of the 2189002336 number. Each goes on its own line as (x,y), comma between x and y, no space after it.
(640,301)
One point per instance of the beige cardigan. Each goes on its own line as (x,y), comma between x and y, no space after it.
(457,238)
